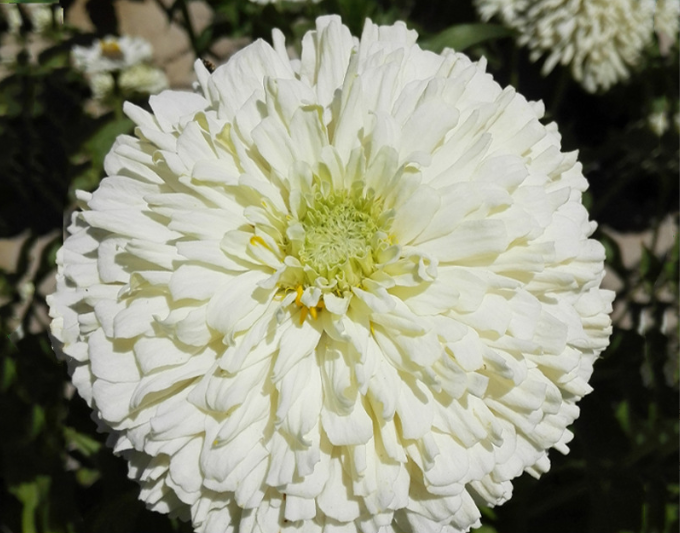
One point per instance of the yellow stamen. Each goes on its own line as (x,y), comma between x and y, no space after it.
(303,315)
(299,296)
(111,49)
(313,311)
(256,239)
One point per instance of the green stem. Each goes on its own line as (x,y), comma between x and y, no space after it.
(189,27)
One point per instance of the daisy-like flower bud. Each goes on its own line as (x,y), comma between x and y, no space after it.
(351,292)
(600,40)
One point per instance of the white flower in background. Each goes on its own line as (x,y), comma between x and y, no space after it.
(111,54)
(506,9)
(138,79)
(12,17)
(351,292)
(41,16)
(101,84)
(144,79)
(124,57)
(601,40)
(658,122)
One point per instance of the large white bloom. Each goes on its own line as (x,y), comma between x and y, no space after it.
(599,39)
(111,54)
(351,292)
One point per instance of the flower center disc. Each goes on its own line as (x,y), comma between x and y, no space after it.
(340,235)
(111,49)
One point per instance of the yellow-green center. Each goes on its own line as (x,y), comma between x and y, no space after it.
(341,233)
(111,49)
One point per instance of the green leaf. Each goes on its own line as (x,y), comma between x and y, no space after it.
(464,36)
(81,442)
(100,143)
(86,477)
(37,421)
(9,374)
(203,40)
(623,416)
(30,494)
(650,266)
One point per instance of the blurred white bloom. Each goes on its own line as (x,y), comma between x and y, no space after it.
(101,84)
(125,57)
(506,9)
(111,54)
(144,79)
(600,39)
(26,290)
(40,15)
(140,79)
(658,122)
(12,16)
(351,292)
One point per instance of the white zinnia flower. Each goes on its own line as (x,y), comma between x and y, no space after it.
(600,39)
(111,54)
(351,292)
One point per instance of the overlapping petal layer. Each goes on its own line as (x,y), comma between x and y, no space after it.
(350,292)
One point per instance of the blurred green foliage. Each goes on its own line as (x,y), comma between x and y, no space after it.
(621,475)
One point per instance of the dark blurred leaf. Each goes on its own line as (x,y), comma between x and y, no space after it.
(103,15)
(650,266)
(100,143)
(81,442)
(464,36)
(203,40)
